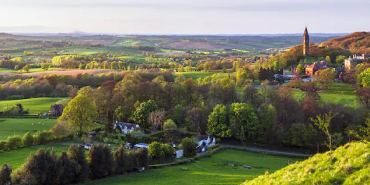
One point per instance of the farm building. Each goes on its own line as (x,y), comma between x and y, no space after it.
(311,69)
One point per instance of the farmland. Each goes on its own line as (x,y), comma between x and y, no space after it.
(33,105)
(212,170)
(10,127)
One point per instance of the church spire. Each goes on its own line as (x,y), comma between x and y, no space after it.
(306,42)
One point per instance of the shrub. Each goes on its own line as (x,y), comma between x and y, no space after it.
(100,160)
(66,170)
(76,154)
(169,125)
(156,150)
(2,145)
(12,111)
(27,139)
(5,172)
(40,168)
(121,160)
(13,142)
(168,149)
(62,128)
(142,157)
(189,147)
(131,164)
(43,137)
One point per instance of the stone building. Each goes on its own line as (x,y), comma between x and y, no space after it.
(306,43)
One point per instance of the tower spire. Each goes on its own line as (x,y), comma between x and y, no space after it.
(306,42)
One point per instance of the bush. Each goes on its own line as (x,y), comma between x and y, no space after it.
(13,142)
(2,145)
(40,168)
(156,150)
(169,125)
(62,128)
(142,157)
(121,160)
(101,161)
(189,147)
(43,137)
(76,154)
(27,139)
(168,149)
(5,172)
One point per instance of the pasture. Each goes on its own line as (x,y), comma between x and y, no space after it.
(195,74)
(344,99)
(33,105)
(208,170)
(12,126)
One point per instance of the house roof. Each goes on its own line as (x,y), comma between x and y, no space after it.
(128,125)
(202,137)
(317,65)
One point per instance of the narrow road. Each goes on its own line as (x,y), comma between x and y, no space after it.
(266,151)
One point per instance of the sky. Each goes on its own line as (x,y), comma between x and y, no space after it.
(184,16)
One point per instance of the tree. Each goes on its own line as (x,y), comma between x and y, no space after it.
(194,119)
(76,154)
(323,122)
(156,150)
(276,65)
(218,122)
(327,59)
(340,59)
(300,68)
(169,125)
(157,118)
(62,128)
(66,170)
(189,147)
(141,114)
(26,69)
(5,172)
(120,159)
(267,115)
(142,158)
(45,66)
(243,121)
(80,112)
(101,161)
(324,78)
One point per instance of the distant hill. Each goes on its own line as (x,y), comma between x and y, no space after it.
(349,164)
(358,42)
(5,35)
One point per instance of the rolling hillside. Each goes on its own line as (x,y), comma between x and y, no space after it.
(358,42)
(349,164)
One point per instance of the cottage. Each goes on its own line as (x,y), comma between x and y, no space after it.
(351,63)
(56,110)
(313,68)
(126,127)
(205,142)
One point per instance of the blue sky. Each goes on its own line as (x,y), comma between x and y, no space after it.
(185,16)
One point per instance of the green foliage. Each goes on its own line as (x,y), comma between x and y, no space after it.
(156,150)
(189,147)
(142,158)
(168,149)
(80,112)
(340,59)
(40,168)
(300,135)
(66,169)
(13,142)
(43,137)
(5,172)
(243,121)
(121,160)
(349,164)
(300,68)
(141,114)
(323,122)
(45,66)
(169,125)
(101,161)
(218,122)
(267,115)
(76,154)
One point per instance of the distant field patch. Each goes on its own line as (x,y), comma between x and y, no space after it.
(344,99)
(195,45)
(11,126)
(195,74)
(34,105)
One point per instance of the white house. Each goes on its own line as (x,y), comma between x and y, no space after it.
(126,127)
(205,142)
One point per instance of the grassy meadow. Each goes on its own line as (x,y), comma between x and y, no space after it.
(33,105)
(10,127)
(208,170)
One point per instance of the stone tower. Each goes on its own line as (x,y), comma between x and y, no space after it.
(306,43)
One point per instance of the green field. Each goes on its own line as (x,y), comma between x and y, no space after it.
(135,43)
(10,126)
(345,99)
(33,105)
(209,170)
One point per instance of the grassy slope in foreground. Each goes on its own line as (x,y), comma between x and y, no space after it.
(34,105)
(349,164)
(10,126)
(208,170)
